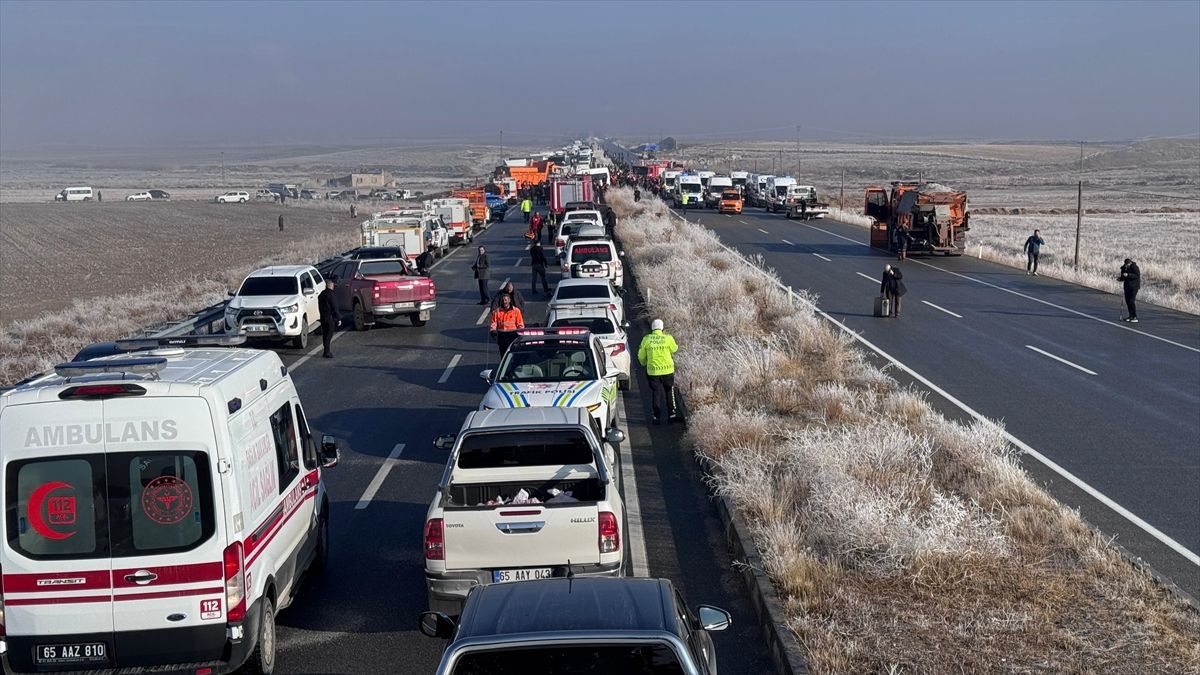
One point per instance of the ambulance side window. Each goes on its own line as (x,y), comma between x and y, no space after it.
(283,429)
(56,507)
(307,442)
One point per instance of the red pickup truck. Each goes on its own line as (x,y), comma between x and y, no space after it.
(382,288)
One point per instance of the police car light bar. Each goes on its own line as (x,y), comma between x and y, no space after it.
(552,331)
(134,344)
(143,366)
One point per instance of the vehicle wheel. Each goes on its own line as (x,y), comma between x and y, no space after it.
(301,340)
(320,561)
(416,320)
(242,200)
(360,317)
(262,659)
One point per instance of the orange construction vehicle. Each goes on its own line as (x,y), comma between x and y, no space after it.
(536,172)
(731,201)
(935,221)
(478,201)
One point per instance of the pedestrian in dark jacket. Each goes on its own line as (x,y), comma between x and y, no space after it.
(507,289)
(281,222)
(1033,248)
(483,274)
(1131,279)
(425,261)
(637,195)
(537,263)
(892,288)
(330,319)
(902,240)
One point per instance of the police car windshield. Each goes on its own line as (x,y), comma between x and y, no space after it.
(548,361)
(270,286)
(598,325)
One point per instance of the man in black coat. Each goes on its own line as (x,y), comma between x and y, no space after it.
(425,261)
(892,288)
(1131,279)
(330,319)
(537,263)
(483,274)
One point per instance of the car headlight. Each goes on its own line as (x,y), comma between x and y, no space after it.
(291,308)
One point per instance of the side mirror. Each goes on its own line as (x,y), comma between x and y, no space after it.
(310,292)
(436,624)
(614,436)
(232,294)
(625,325)
(621,253)
(330,455)
(444,442)
(713,618)
(486,375)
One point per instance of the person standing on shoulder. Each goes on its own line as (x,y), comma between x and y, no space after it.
(1131,279)
(526,207)
(655,356)
(327,306)
(892,288)
(537,263)
(1033,248)
(483,274)
(506,321)
(425,261)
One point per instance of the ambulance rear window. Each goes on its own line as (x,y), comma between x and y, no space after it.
(55,508)
(159,502)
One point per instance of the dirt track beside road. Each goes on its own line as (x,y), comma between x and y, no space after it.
(52,255)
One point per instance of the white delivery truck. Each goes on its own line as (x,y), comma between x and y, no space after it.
(775,195)
(689,192)
(162,507)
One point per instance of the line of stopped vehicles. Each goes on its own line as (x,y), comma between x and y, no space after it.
(165,497)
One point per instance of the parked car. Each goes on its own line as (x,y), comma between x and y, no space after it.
(382,288)
(578,625)
(592,258)
(580,292)
(603,323)
(139,197)
(233,198)
(310,194)
(333,194)
(277,302)
(265,195)
(75,194)
(149,196)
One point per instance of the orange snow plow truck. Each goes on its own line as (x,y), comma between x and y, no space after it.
(935,220)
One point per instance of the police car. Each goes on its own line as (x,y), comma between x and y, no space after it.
(161,506)
(556,367)
(603,323)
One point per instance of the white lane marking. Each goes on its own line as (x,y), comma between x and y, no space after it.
(449,369)
(763,231)
(1022,445)
(313,352)
(380,475)
(742,221)
(487,311)
(1027,297)
(942,309)
(787,242)
(633,509)
(871,279)
(518,262)
(1061,360)
(822,257)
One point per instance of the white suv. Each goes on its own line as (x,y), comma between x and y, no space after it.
(234,198)
(278,301)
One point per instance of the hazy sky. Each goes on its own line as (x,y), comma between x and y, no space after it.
(226,73)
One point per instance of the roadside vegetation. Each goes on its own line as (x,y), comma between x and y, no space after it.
(32,346)
(900,541)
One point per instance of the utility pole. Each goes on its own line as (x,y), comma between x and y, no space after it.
(780,165)
(223,169)
(842,191)
(1079,206)
(502,147)
(797,152)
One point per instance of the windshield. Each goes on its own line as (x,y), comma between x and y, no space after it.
(633,659)
(378,267)
(554,361)
(730,194)
(588,252)
(691,187)
(781,190)
(524,448)
(597,325)
(569,228)
(270,286)
(581,291)
(739,181)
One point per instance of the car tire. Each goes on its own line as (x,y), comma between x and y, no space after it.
(416,320)
(360,317)
(301,340)
(320,561)
(242,200)
(262,659)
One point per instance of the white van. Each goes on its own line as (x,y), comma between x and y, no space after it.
(75,194)
(160,508)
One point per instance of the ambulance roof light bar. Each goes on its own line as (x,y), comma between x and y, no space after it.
(150,365)
(134,344)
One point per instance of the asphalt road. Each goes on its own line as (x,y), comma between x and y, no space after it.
(387,394)
(1115,405)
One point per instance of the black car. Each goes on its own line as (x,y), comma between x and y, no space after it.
(159,194)
(577,625)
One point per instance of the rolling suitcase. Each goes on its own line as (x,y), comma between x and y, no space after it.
(882,305)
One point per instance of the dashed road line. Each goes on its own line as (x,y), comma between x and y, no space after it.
(787,242)
(392,459)
(942,309)
(488,310)
(1061,360)
(763,231)
(822,257)
(449,369)
(871,279)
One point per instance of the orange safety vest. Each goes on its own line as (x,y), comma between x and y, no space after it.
(507,320)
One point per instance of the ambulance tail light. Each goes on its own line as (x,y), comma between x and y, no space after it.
(435,539)
(610,535)
(99,391)
(235,583)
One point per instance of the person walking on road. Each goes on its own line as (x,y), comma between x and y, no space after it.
(99,196)
(353,210)
(506,321)
(537,263)
(902,240)
(526,207)
(892,288)
(425,261)
(1131,279)
(281,222)
(535,225)
(513,294)
(330,319)
(654,353)
(483,274)
(1033,247)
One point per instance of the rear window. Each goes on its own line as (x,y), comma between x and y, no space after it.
(269,286)
(382,267)
(543,448)
(586,252)
(639,659)
(595,324)
(120,504)
(581,291)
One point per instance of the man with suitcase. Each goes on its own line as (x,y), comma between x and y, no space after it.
(890,290)
(655,356)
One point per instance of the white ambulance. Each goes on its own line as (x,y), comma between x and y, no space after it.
(160,508)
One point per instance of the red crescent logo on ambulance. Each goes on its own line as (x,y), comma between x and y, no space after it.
(61,510)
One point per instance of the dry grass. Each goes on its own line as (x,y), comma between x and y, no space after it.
(899,541)
(31,346)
